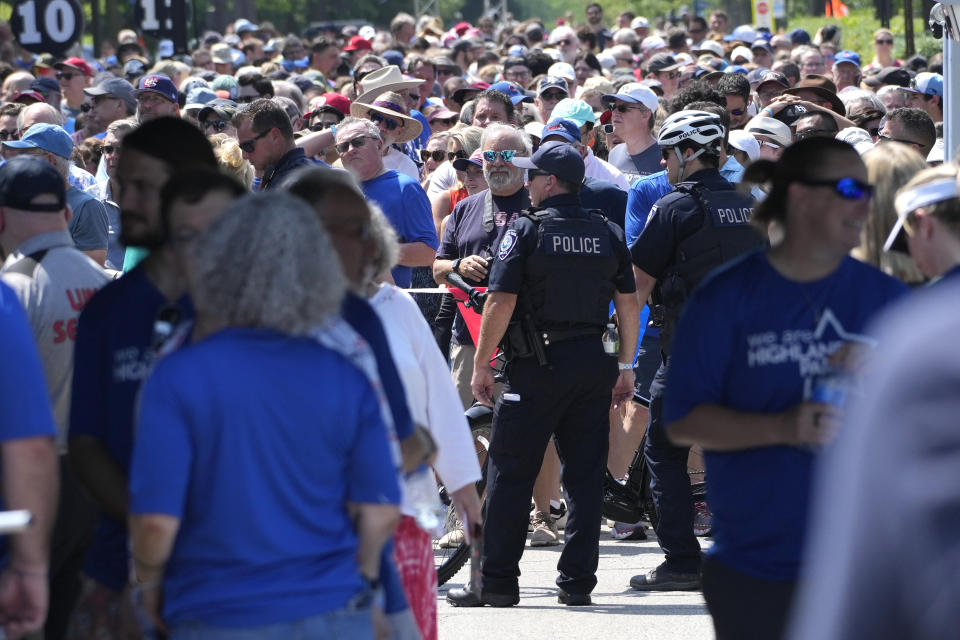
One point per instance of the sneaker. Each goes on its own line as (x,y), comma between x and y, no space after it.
(452,539)
(544,531)
(627,531)
(663,579)
(559,515)
(702,519)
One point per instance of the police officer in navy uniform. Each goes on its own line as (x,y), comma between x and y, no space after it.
(551,282)
(690,231)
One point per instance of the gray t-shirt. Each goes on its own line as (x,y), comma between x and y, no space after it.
(637,165)
(89,226)
(53,295)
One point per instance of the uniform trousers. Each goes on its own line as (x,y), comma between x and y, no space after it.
(570,400)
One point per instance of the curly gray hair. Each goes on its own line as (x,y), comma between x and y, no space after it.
(267,262)
(370,129)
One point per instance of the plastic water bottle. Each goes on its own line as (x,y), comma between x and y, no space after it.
(832,388)
(611,340)
(423,498)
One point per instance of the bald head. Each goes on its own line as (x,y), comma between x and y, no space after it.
(37,113)
(15,83)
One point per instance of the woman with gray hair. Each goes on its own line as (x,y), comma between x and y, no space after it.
(367,246)
(249,513)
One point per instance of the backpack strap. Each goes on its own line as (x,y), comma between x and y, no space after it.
(27,265)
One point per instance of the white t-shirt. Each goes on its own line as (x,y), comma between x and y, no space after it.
(401,163)
(433,400)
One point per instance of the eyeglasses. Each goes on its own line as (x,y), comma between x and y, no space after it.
(883,41)
(217,125)
(447,121)
(86,106)
(553,96)
(883,138)
(66,75)
(566,42)
(445,72)
(437,156)
(246,99)
(415,96)
(846,188)
(9,135)
(454,155)
(109,149)
(623,108)
(737,112)
(247,146)
(506,155)
(533,173)
(390,124)
(356,143)
(771,145)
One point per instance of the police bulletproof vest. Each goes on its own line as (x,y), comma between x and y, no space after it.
(724,233)
(571,273)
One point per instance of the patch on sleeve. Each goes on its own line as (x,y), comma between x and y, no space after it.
(508,243)
(653,212)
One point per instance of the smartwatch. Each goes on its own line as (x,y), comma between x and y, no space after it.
(456,266)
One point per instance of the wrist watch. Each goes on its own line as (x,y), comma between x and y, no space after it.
(456,265)
(625,366)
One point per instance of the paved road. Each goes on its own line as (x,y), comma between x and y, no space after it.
(617,611)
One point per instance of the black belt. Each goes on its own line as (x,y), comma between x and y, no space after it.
(551,336)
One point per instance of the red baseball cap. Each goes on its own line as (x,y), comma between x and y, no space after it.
(28,97)
(358,44)
(461,27)
(79,64)
(330,102)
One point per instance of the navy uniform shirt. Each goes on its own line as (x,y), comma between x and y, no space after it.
(674,217)
(520,241)
(610,199)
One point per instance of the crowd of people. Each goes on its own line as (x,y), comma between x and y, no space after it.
(227,407)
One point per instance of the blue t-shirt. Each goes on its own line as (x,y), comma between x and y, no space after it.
(640,199)
(407,207)
(25,410)
(751,340)
(259,475)
(113,355)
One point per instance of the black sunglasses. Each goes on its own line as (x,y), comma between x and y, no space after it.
(86,106)
(814,133)
(846,188)
(246,99)
(884,41)
(217,125)
(9,135)
(109,149)
(883,138)
(247,146)
(623,108)
(66,75)
(390,124)
(453,155)
(437,156)
(356,143)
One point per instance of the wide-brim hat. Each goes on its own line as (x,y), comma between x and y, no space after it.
(388,78)
(390,104)
(823,87)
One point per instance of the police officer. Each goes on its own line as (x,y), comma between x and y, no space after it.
(702,223)
(551,283)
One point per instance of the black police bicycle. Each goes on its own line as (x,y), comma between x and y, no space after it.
(480,418)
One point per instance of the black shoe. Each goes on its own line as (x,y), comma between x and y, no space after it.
(465,597)
(574,599)
(663,579)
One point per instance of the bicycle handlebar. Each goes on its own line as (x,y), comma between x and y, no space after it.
(475,298)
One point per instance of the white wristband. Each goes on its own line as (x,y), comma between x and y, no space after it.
(625,366)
